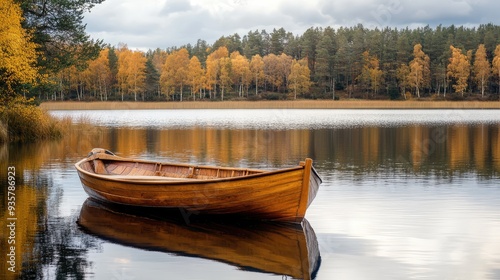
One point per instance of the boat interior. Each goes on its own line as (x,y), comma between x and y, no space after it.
(142,170)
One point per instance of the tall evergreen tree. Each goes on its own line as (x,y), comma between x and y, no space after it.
(59,30)
(278,41)
(254,44)
(325,62)
(496,66)
(310,40)
(152,79)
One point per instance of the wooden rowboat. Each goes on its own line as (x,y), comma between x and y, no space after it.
(277,248)
(278,195)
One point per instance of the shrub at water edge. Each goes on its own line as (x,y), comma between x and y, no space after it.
(23,121)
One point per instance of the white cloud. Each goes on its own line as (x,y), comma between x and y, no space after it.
(164,23)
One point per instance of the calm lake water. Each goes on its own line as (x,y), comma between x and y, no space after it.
(406,194)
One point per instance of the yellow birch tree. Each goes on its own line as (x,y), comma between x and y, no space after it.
(123,54)
(272,70)
(364,77)
(195,74)
(419,76)
(100,74)
(240,71)
(137,74)
(213,69)
(18,55)
(299,80)
(482,68)
(458,69)
(131,72)
(175,72)
(402,74)
(257,71)
(181,68)
(167,77)
(371,75)
(225,74)
(376,75)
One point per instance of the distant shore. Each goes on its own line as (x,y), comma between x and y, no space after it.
(285,104)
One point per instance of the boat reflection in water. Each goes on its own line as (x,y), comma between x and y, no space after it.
(282,249)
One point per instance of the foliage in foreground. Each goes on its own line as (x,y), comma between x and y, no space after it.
(18,54)
(22,121)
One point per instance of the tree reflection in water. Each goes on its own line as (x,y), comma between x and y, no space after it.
(53,247)
(48,246)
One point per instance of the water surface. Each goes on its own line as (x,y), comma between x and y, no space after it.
(407,194)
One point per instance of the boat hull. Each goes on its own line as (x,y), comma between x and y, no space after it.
(281,195)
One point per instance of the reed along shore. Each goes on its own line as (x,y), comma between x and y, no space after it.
(285,104)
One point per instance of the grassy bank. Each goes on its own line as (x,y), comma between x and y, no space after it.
(288,104)
(23,121)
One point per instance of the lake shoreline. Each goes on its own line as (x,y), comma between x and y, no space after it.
(284,104)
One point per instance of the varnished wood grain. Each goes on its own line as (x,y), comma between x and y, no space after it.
(281,249)
(282,195)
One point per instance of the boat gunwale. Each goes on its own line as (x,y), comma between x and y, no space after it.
(179,181)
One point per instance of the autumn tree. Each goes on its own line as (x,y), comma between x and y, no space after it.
(482,68)
(496,64)
(364,78)
(213,69)
(257,71)
(240,71)
(371,75)
(299,78)
(131,72)
(137,75)
(402,75)
(285,67)
(419,76)
(376,76)
(158,58)
(277,69)
(195,76)
(271,70)
(18,54)
(225,80)
(167,77)
(182,65)
(123,55)
(458,69)
(175,71)
(100,75)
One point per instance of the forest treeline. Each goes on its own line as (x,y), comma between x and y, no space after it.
(355,62)
(45,53)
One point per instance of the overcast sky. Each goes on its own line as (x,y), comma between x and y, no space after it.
(151,24)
